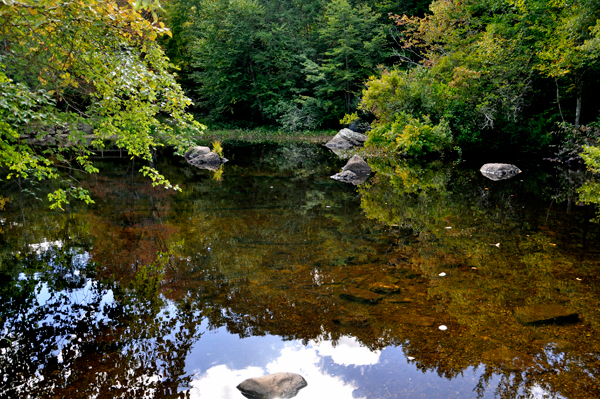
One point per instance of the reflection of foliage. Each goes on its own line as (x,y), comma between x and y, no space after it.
(80,343)
(262,253)
(218,174)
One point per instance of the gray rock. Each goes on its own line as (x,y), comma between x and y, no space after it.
(277,385)
(499,171)
(538,315)
(345,139)
(357,164)
(356,171)
(201,157)
(348,176)
(357,139)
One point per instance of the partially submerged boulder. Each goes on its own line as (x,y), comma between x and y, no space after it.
(499,171)
(345,139)
(357,165)
(355,171)
(277,385)
(203,158)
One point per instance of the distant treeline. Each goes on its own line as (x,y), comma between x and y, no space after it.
(499,72)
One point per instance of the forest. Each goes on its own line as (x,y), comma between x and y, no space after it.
(424,77)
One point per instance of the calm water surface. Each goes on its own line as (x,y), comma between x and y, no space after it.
(269,265)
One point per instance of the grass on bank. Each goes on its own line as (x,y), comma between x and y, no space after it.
(259,135)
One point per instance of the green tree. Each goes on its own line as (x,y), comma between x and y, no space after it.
(85,67)
(355,45)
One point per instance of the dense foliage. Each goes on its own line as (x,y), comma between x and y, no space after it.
(301,64)
(498,70)
(68,69)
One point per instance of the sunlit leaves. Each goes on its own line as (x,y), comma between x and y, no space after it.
(95,64)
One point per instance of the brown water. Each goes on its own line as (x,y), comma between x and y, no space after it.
(276,267)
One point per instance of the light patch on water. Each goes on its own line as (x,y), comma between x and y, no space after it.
(348,351)
(219,382)
(42,247)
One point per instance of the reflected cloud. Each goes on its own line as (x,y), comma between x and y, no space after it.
(219,382)
(348,351)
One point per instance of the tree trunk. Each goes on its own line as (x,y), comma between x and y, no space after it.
(578,106)
(258,100)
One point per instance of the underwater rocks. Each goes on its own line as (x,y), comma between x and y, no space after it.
(360,296)
(499,171)
(509,360)
(201,157)
(277,385)
(356,171)
(539,315)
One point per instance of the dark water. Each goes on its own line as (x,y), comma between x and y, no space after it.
(272,266)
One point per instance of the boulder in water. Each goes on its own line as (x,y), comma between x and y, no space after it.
(277,385)
(345,139)
(203,158)
(355,171)
(499,171)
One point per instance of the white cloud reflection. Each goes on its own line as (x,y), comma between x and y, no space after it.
(347,352)
(219,382)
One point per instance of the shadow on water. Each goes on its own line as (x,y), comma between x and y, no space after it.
(428,280)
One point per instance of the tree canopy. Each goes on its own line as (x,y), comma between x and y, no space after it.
(80,68)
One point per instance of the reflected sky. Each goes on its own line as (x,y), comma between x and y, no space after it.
(342,369)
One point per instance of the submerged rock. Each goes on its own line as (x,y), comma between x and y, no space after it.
(203,158)
(361,296)
(509,360)
(536,315)
(356,171)
(384,288)
(416,320)
(277,385)
(345,139)
(499,171)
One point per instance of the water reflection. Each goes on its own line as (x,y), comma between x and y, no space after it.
(275,267)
